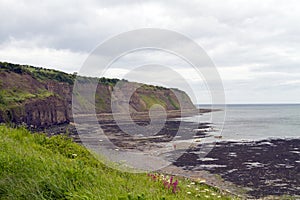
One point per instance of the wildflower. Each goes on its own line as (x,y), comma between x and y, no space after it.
(171,182)
(166,184)
(161,178)
(192,183)
(206,196)
(74,155)
(175,186)
(188,192)
(153,177)
(196,189)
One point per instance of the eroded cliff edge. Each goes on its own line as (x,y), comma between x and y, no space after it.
(42,97)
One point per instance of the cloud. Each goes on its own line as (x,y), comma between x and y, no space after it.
(249,41)
(24,52)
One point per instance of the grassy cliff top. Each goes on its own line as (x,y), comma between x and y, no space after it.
(44,74)
(33,166)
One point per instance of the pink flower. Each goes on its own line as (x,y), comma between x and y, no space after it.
(171,182)
(166,184)
(175,186)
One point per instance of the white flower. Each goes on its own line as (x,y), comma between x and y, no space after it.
(74,155)
(189,193)
(202,181)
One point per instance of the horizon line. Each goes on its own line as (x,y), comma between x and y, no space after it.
(268,103)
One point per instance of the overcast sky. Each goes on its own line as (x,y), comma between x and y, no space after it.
(254,44)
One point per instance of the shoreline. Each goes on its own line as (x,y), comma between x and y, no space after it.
(233,166)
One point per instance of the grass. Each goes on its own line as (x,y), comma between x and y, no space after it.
(43,74)
(33,166)
(150,100)
(173,103)
(12,97)
(100,104)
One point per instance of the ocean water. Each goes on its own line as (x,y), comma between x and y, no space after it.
(256,121)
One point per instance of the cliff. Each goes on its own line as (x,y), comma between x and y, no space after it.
(42,97)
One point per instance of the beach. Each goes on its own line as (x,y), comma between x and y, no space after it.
(258,168)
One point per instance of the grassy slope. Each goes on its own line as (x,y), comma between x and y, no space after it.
(33,166)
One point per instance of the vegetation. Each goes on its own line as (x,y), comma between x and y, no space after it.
(43,74)
(33,166)
(38,73)
(151,99)
(153,87)
(173,103)
(12,97)
(100,103)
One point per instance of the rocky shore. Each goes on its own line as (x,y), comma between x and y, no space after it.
(263,168)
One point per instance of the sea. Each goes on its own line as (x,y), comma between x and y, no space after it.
(252,122)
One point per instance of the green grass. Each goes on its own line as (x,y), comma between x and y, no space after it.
(173,103)
(151,99)
(43,74)
(100,103)
(33,166)
(12,97)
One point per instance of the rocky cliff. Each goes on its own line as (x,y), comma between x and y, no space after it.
(41,97)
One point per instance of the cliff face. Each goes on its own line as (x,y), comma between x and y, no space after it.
(38,113)
(41,97)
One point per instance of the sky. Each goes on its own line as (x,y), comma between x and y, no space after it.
(255,45)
